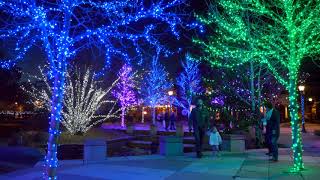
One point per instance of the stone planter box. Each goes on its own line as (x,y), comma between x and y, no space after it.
(153,130)
(179,130)
(94,150)
(130,129)
(171,146)
(233,143)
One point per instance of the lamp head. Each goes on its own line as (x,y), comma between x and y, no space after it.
(301,88)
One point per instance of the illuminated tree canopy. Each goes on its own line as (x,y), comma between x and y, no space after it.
(188,82)
(250,85)
(155,86)
(277,34)
(124,91)
(63,28)
(83,98)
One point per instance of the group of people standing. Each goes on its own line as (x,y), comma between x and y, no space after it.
(169,117)
(200,124)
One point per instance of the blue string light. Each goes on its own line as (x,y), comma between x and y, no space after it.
(156,85)
(188,82)
(64,28)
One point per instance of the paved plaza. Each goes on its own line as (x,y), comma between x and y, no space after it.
(251,165)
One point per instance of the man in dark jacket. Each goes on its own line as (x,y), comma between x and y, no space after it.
(167,119)
(199,119)
(274,125)
(268,137)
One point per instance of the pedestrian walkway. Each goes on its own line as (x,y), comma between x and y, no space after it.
(252,165)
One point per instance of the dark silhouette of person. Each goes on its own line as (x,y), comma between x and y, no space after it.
(267,137)
(172,120)
(274,130)
(167,119)
(199,119)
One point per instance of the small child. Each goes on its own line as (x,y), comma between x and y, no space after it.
(215,140)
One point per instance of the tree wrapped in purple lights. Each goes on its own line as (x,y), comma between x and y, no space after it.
(124,91)
(65,28)
(155,86)
(188,82)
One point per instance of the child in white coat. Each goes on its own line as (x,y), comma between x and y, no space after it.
(215,140)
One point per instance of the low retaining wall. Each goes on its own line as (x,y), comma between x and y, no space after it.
(233,143)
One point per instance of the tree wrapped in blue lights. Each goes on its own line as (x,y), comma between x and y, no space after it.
(188,83)
(124,91)
(155,86)
(65,28)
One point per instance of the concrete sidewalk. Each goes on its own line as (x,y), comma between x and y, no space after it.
(249,166)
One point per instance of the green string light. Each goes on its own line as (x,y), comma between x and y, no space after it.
(278,34)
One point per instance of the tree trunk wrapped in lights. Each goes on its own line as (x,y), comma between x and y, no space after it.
(189,83)
(81,101)
(65,28)
(155,86)
(124,91)
(277,34)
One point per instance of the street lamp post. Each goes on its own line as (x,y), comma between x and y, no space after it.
(310,101)
(301,89)
(170,93)
(142,114)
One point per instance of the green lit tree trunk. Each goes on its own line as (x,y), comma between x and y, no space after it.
(259,88)
(252,89)
(295,127)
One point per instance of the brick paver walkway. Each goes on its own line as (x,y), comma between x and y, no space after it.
(252,165)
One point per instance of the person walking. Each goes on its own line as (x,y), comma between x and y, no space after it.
(199,120)
(215,140)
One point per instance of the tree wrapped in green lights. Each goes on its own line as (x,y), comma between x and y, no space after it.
(278,34)
(251,84)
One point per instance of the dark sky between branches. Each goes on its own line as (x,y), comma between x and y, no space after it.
(36,56)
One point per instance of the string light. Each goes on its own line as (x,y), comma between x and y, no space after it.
(255,30)
(249,85)
(155,85)
(124,91)
(65,28)
(188,82)
(82,99)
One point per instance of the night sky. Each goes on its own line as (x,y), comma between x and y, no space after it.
(36,56)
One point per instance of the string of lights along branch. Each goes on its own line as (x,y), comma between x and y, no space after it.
(83,97)
(124,91)
(64,28)
(189,82)
(156,85)
(256,30)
